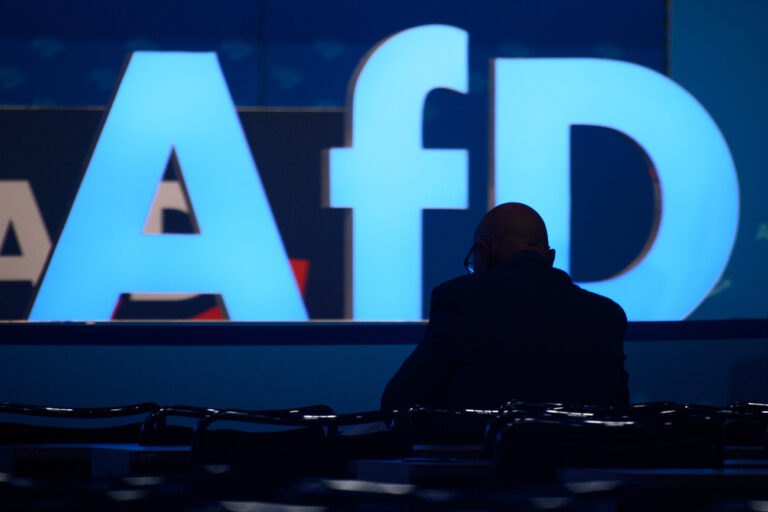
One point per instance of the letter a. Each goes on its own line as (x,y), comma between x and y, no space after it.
(170,102)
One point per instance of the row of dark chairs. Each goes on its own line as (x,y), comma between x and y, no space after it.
(230,490)
(274,445)
(311,440)
(303,457)
(529,442)
(740,423)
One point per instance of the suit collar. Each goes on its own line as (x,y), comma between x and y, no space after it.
(526,256)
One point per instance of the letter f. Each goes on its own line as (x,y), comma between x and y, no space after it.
(387,177)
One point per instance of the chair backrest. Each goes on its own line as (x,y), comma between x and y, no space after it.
(72,425)
(309,442)
(433,426)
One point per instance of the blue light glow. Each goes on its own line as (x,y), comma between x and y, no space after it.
(170,100)
(387,177)
(535,103)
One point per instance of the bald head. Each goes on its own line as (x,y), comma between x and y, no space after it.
(507,229)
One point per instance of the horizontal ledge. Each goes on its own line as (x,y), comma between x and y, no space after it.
(206,333)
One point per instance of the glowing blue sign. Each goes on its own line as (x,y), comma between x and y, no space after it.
(535,103)
(170,101)
(179,102)
(387,177)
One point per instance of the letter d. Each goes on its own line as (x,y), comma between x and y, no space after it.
(536,102)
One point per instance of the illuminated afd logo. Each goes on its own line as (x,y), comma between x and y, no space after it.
(178,103)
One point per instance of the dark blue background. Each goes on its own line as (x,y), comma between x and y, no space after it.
(70,54)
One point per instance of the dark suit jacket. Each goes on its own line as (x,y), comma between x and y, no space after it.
(521,331)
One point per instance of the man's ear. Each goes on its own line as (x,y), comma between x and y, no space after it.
(551,256)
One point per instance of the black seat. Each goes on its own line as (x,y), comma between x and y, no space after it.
(530,445)
(745,423)
(66,429)
(302,442)
(156,430)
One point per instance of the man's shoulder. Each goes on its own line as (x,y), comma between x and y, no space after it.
(462,285)
(559,283)
(607,305)
(456,287)
(508,279)
(546,280)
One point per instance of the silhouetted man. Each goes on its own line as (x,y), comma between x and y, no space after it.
(515,328)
